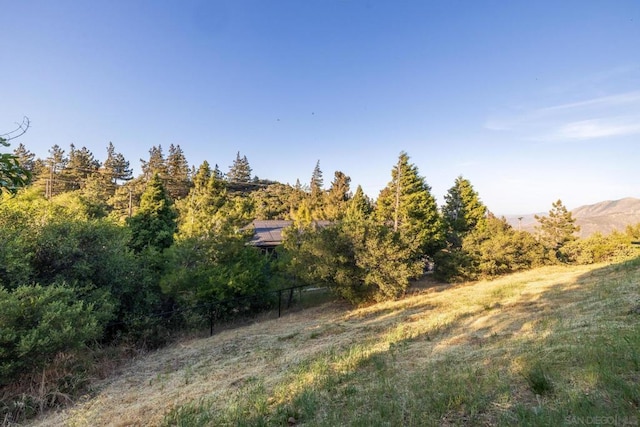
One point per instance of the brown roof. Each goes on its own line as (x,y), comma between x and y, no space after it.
(268,233)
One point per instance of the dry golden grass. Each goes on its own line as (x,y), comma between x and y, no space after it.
(489,328)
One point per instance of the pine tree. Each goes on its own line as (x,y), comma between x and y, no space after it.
(217,172)
(116,167)
(240,171)
(273,201)
(52,179)
(156,164)
(407,206)
(316,193)
(25,158)
(178,182)
(155,222)
(462,211)
(202,175)
(200,211)
(359,207)
(557,229)
(80,166)
(337,197)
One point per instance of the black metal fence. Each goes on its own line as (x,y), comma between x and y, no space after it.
(228,310)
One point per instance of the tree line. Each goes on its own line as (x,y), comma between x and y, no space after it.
(92,254)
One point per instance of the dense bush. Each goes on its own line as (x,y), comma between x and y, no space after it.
(599,248)
(359,261)
(39,322)
(218,275)
(491,249)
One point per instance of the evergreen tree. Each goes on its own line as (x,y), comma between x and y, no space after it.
(178,182)
(316,193)
(154,224)
(297,196)
(495,248)
(116,167)
(273,201)
(156,164)
(125,199)
(202,175)
(81,165)
(316,181)
(55,163)
(462,211)
(359,207)
(337,197)
(407,206)
(557,229)
(218,173)
(25,158)
(240,171)
(200,214)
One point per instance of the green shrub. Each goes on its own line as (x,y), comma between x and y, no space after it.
(37,323)
(599,248)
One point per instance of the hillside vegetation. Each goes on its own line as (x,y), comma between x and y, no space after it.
(555,345)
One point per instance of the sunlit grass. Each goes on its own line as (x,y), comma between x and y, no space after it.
(552,346)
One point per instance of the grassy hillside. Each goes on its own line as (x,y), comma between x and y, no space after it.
(553,346)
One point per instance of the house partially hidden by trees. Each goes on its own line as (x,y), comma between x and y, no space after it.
(268,234)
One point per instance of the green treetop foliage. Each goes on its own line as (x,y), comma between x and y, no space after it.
(202,175)
(495,248)
(317,181)
(26,158)
(81,165)
(200,211)
(406,205)
(358,260)
(116,167)
(178,174)
(52,179)
(155,222)
(12,175)
(275,201)
(155,165)
(557,229)
(337,197)
(359,207)
(239,171)
(462,211)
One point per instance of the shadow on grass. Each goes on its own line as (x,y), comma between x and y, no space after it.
(569,354)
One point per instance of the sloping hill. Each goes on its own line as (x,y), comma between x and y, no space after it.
(607,216)
(604,217)
(551,346)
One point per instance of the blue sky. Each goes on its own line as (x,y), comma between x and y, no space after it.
(530,100)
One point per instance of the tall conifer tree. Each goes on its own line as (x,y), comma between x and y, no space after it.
(155,222)
(337,196)
(240,171)
(178,182)
(406,205)
(557,229)
(462,211)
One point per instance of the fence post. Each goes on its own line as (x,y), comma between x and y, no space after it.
(211,317)
(279,303)
(290,297)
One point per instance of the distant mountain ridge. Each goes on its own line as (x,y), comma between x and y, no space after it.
(604,217)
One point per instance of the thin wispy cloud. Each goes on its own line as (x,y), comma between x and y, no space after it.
(600,117)
(598,128)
